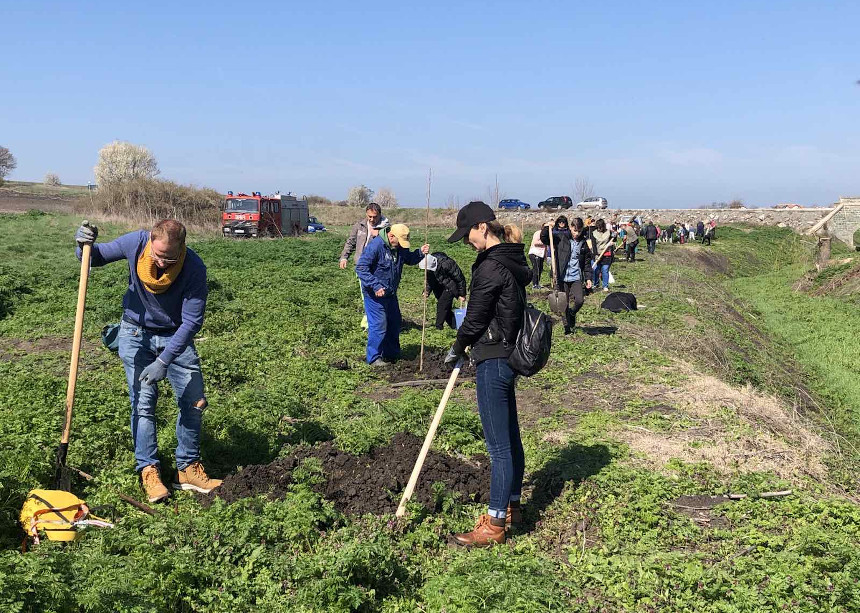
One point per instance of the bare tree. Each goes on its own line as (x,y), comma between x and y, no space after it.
(494,195)
(52,179)
(582,189)
(386,198)
(7,163)
(121,161)
(453,202)
(359,195)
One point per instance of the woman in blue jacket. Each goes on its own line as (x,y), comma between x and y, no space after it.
(379,269)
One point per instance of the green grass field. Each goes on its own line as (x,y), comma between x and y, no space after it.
(726,381)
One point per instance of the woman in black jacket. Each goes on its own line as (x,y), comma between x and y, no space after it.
(573,264)
(490,328)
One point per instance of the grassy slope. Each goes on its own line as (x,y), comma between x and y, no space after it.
(30,188)
(607,537)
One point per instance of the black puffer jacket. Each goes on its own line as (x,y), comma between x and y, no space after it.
(447,276)
(495,311)
(651,232)
(563,244)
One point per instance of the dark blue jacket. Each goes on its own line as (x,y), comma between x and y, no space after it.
(379,267)
(178,311)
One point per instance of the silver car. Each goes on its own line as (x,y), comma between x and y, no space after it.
(593,203)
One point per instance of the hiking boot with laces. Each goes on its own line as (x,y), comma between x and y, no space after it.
(152,485)
(488,531)
(194,478)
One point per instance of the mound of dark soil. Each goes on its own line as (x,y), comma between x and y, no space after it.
(434,368)
(370,483)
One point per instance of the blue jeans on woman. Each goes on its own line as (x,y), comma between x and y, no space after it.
(601,271)
(138,348)
(497,406)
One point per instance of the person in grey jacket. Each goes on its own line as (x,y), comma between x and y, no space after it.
(361,233)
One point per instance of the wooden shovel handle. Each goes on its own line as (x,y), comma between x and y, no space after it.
(428,440)
(76,339)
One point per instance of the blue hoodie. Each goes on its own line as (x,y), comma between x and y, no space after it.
(380,267)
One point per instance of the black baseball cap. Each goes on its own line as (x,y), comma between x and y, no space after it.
(471,215)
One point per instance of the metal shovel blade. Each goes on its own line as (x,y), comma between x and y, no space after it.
(556,301)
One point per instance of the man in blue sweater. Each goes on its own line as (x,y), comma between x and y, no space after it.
(163,310)
(379,269)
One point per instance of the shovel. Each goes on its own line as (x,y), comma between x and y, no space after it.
(557,299)
(63,477)
(428,440)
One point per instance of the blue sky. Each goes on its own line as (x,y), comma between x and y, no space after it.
(658,104)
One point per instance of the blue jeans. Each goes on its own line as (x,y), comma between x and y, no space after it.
(497,406)
(601,271)
(383,327)
(138,348)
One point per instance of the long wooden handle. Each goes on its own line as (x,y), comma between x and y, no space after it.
(76,341)
(426,261)
(428,440)
(552,257)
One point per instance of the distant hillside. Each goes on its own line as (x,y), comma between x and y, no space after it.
(40,190)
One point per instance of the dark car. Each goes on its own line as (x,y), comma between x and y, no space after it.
(513,203)
(314,225)
(556,202)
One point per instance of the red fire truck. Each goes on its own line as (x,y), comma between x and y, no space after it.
(254,215)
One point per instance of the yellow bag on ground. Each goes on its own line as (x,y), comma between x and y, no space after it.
(57,513)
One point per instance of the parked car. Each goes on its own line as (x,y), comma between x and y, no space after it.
(593,203)
(513,203)
(556,202)
(314,225)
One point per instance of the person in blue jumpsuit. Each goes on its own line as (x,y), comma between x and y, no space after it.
(379,269)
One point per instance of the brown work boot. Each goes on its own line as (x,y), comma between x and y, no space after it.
(195,478)
(515,515)
(152,485)
(488,531)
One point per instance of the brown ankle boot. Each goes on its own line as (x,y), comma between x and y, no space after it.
(514,517)
(488,531)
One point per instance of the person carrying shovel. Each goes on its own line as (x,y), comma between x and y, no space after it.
(379,268)
(493,320)
(163,310)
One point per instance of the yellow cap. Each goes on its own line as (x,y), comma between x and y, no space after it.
(401,231)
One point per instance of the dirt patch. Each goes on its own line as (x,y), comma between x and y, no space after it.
(434,368)
(733,429)
(699,508)
(708,261)
(840,284)
(370,483)
(11,202)
(17,347)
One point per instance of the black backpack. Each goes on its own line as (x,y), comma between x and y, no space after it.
(534,340)
(619,302)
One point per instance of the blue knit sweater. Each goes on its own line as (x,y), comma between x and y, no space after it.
(178,311)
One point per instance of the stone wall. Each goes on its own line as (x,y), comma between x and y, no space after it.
(798,219)
(845,222)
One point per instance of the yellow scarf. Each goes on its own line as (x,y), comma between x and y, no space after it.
(146,271)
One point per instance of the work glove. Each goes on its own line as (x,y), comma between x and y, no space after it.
(453,356)
(153,373)
(86,234)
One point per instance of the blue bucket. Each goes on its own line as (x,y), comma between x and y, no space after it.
(459,316)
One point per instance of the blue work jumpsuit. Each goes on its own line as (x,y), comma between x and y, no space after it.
(380,267)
